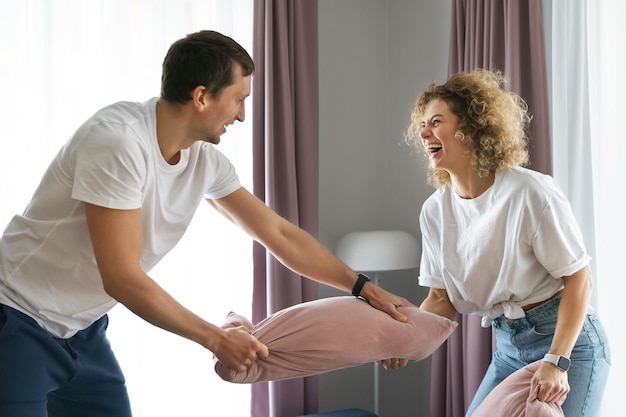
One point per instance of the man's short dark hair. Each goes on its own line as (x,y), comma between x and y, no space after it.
(204,58)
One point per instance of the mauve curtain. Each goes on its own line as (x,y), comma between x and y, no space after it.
(507,35)
(285,146)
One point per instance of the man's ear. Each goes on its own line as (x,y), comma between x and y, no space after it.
(200,97)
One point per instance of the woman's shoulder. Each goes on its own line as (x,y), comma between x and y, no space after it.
(441,193)
(520,179)
(435,202)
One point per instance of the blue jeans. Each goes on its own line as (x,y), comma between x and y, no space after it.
(526,340)
(41,375)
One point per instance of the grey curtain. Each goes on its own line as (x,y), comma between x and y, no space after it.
(285,170)
(507,35)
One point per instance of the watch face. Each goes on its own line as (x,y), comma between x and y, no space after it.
(563,363)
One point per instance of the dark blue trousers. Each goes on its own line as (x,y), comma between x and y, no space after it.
(44,376)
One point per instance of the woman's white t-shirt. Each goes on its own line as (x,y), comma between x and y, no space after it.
(47,266)
(507,248)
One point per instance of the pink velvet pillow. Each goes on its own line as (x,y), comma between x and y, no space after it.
(512,398)
(334,333)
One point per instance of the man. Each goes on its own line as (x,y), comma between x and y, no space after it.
(116,198)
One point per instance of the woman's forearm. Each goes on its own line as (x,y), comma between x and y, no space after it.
(438,303)
(572,311)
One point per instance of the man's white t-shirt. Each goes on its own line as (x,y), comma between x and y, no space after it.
(47,266)
(507,248)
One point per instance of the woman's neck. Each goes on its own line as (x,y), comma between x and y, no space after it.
(472,186)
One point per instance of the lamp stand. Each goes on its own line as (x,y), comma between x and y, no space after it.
(378,250)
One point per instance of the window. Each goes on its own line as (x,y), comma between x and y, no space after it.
(607,89)
(61,61)
(587,151)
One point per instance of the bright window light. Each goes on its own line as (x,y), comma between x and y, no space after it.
(61,61)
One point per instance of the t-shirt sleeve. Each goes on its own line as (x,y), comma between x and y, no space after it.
(558,243)
(109,167)
(225,178)
(430,262)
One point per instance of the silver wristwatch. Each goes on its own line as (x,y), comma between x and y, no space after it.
(559,361)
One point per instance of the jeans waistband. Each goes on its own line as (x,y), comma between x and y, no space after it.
(542,311)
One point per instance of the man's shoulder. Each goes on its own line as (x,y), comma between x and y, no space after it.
(122,122)
(125,112)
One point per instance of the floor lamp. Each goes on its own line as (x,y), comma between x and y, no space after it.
(374,252)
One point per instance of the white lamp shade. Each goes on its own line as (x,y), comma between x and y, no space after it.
(378,250)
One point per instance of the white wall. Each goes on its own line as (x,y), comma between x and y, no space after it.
(375,57)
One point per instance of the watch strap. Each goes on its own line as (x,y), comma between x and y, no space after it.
(358,285)
(560,361)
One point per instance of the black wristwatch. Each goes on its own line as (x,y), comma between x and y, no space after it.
(358,285)
(561,362)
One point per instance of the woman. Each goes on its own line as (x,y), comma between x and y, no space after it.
(500,240)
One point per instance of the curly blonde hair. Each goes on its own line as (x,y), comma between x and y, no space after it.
(491,121)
